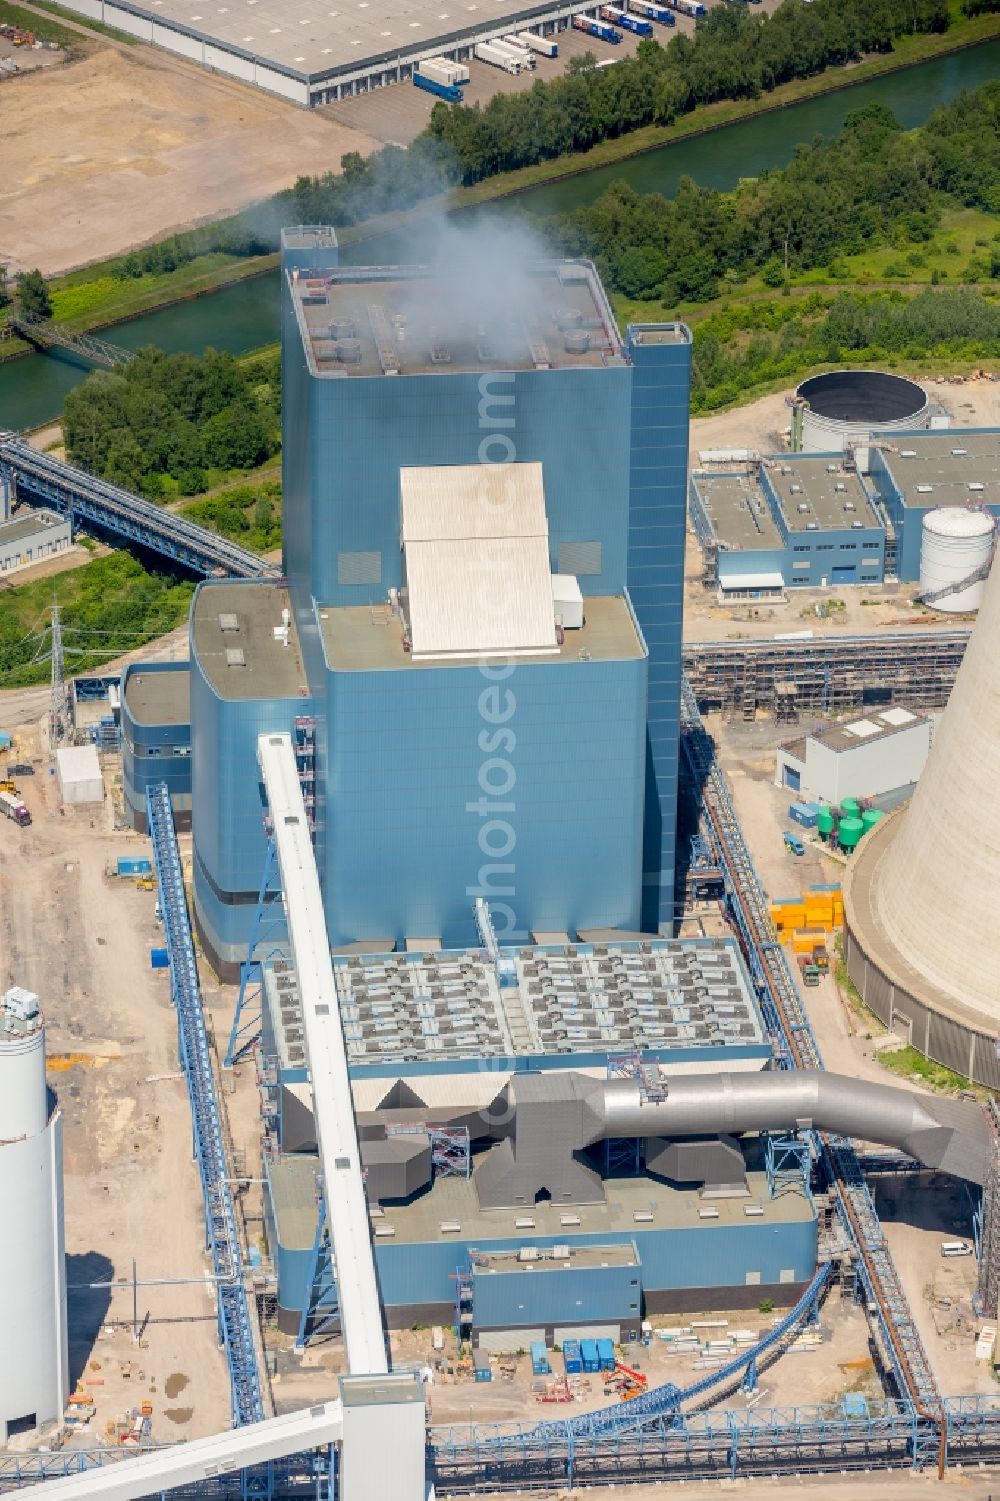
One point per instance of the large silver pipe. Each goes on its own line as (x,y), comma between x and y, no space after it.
(945,1133)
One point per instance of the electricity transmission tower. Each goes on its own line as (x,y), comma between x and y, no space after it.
(58,697)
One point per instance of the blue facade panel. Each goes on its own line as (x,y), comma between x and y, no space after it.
(432,802)
(520,1299)
(661,389)
(349,437)
(684,1259)
(154,752)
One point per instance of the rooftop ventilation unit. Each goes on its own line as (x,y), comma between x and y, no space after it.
(975,485)
(235,657)
(840,487)
(907,453)
(796,489)
(228,622)
(576,341)
(924,489)
(803,508)
(348,351)
(959,453)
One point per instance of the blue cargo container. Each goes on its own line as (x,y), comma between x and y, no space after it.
(481,1365)
(606,1354)
(805,814)
(159,959)
(572,1359)
(591,1359)
(134,866)
(449,91)
(539,1359)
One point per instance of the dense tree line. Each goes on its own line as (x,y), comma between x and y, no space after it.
(161,423)
(735,53)
(244,235)
(872,184)
(776,342)
(250,514)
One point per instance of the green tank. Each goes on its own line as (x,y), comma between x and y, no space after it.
(849,832)
(825,822)
(870,817)
(850,807)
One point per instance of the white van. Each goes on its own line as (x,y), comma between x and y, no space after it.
(955,1248)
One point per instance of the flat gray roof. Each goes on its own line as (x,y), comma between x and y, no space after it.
(32,524)
(454,1201)
(835,496)
(409,320)
(862,730)
(365,638)
(949,462)
(736,506)
(232,636)
(162,697)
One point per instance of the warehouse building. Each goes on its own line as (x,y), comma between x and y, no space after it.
(314,57)
(638,1228)
(795,521)
(487,596)
(156,738)
(865,758)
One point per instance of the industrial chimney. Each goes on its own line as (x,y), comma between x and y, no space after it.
(34,1373)
(920,896)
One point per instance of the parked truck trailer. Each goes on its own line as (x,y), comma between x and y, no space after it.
(13,807)
(546,45)
(497,57)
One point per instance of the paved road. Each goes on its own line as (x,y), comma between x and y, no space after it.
(966,1485)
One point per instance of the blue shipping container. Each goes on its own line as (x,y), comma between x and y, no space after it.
(591,1359)
(804,814)
(134,866)
(539,1359)
(159,959)
(606,1354)
(572,1359)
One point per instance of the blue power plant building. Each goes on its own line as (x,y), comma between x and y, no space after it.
(477,638)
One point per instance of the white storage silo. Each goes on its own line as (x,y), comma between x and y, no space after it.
(956,543)
(34,1370)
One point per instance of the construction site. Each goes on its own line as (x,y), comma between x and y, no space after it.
(435,1170)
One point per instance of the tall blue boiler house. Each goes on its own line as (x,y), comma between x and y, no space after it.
(477,642)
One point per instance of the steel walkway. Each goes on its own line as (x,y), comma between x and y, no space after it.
(44,333)
(234,1304)
(43,479)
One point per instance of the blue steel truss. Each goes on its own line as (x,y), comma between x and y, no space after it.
(788,1160)
(268,939)
(222,1234)
(308,1476)
(42,479)
(320,1309)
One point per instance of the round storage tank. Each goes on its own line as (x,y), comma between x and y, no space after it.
(850,832)
(845,406)
(870,817)
(850,807)
(825,822)
(955,543)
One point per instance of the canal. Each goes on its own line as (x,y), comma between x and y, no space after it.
(245,316)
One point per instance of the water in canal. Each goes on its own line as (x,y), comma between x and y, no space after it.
(246,316)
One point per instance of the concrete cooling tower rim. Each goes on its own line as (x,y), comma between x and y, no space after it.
(958,1035)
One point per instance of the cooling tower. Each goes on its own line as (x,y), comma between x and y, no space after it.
(922,894)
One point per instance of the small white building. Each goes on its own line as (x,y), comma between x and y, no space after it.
(79,773)
(32,536)
(865,757)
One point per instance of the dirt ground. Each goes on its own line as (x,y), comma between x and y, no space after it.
(130,144)
(82,942)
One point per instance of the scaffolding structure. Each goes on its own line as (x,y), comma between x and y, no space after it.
(788,1161)
(989,1234)
(824,674)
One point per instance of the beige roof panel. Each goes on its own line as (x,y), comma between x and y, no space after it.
(473,500)
(478,576)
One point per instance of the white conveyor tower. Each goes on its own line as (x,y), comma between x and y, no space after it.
(379,1420)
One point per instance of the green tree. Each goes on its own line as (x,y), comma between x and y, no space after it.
(33,294)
